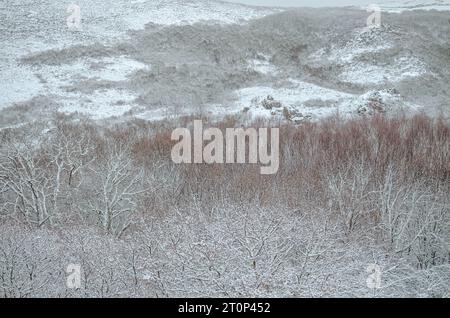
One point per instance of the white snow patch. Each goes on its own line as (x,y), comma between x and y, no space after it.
(298,93)
(20,83)
(114,69)
(365,40)
(293,98)
(301,100)
(17,84)
(402,68)
(189,12)
(375,100)
(100,105)
(262,66)
(356,70)
(351,52)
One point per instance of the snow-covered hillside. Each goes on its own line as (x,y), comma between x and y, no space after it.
(402,5)
(387,5)
(92,71)
(29,27)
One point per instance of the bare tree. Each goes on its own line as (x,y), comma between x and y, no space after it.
(115,188)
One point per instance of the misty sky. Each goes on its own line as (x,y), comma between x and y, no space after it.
(308,3)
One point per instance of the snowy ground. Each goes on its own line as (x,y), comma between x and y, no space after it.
(305,101)
(28,28)
(398,6)
(93,71)
(386,5)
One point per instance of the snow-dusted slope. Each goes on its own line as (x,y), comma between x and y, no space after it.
(357,70)
(387,5)
(297,101)
(402,5)
(97,86)
(29,27)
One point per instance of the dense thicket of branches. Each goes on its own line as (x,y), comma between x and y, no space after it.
(347,194)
